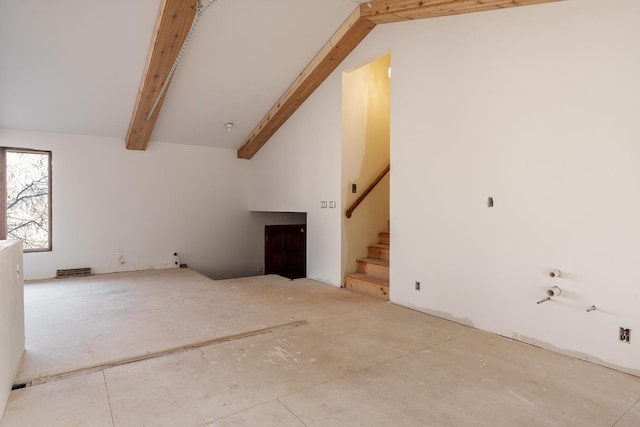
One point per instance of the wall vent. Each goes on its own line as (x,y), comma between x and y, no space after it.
(73,272)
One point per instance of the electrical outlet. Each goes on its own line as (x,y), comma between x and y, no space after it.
(625,335)
(354,188)
(417,285)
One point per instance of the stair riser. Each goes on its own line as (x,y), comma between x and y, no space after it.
(373,269)
(368,288)
(381,253)
(384,238)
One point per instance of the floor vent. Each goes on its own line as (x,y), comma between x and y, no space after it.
(73,272)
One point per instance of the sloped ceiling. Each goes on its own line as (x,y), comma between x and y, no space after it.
(72,66)
(75,66)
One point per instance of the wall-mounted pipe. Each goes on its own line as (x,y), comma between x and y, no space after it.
(554,274)
(553,292)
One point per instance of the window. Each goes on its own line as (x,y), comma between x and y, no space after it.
(25,199)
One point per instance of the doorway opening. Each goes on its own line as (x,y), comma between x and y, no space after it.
(366,96)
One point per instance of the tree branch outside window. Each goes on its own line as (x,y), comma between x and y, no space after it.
(26,191)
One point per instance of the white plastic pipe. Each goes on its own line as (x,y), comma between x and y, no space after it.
(553,292)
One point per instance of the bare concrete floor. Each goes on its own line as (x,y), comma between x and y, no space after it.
(351,361)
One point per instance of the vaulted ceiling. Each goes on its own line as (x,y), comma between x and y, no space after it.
(74,66)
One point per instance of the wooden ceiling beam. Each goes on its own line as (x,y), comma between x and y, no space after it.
(363,19)
(348,36)
(384,12)
(172,27)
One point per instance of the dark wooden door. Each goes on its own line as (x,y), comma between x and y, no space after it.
(285,250)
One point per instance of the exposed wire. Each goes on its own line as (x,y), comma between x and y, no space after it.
(199,12)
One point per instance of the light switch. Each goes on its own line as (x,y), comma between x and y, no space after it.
(323,204)
(332,204)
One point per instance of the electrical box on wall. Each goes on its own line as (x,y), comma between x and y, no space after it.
(625,335)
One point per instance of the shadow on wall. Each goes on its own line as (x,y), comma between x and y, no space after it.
(251,262)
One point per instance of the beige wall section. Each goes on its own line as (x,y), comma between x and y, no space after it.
(365,153)
(11,316)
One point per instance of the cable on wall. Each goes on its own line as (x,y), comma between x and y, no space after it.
(199,12)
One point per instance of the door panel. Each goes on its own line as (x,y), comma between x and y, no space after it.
(285,250)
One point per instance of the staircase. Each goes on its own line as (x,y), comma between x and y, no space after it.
(372,275)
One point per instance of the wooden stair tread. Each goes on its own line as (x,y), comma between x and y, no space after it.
(384,237)
(372,273)
(369,278)
(379,245)
(377,261)
(367,284)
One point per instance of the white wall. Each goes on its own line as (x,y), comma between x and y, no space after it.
(11,316)
(144,204)
(298,169)
(536,106)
